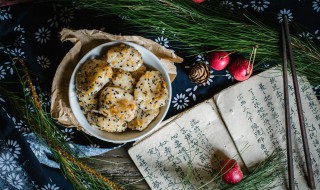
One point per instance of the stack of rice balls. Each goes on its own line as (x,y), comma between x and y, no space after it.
(117,91)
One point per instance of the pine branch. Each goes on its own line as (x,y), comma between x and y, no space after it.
(80,175)
(200,28)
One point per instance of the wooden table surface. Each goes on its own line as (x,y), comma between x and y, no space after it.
(118,166)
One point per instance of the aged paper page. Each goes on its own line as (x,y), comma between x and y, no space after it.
(195,137)
(253,112)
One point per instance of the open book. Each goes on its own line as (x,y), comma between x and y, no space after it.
(246,119)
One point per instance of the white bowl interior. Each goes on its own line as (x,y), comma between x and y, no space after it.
(151,62)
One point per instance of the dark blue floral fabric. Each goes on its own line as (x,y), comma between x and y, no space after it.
(31,31)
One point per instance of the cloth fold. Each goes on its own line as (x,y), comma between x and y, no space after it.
(41,150)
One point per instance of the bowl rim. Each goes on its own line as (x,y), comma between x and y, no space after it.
(73,99)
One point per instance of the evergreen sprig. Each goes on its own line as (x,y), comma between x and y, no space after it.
(79,174)
(199,28)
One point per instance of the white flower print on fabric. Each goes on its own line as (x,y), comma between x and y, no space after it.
(27,91)
(19,41)
(316,5)
(306,35)
(228,5)
(66,15)
(50,187)
(4,14)
(43,35)
(20,125)
(199,58)
(43,61)
(23,128)
(180,101)
(15,180)
(259,5)
(34,185)
(240,5)
(15,176)
(227,75)
(53,22)
(202,59)
(209,81)
(13,147)
(2,72)
(191,92)
(163,41)
(18,52)
(68,134)
(30,108)
(19,29)
(15,52)
(7,163)
(45,99)
(284,12)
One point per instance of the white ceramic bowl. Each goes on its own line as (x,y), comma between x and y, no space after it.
(151,62)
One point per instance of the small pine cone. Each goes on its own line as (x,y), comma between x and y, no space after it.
(199,73)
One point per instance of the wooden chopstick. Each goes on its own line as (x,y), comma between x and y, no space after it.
(310,176)
(287,110)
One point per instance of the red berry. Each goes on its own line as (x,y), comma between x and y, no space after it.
(231,171)
(219,60)
(241,69)
(198,1)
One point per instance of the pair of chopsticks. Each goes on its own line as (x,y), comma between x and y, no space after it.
(286,42)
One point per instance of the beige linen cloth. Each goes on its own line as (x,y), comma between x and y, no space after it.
(84,41)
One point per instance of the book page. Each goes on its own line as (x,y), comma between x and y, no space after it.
(257,106)
(183,154)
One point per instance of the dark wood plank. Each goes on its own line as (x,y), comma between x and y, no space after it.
(118,166)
